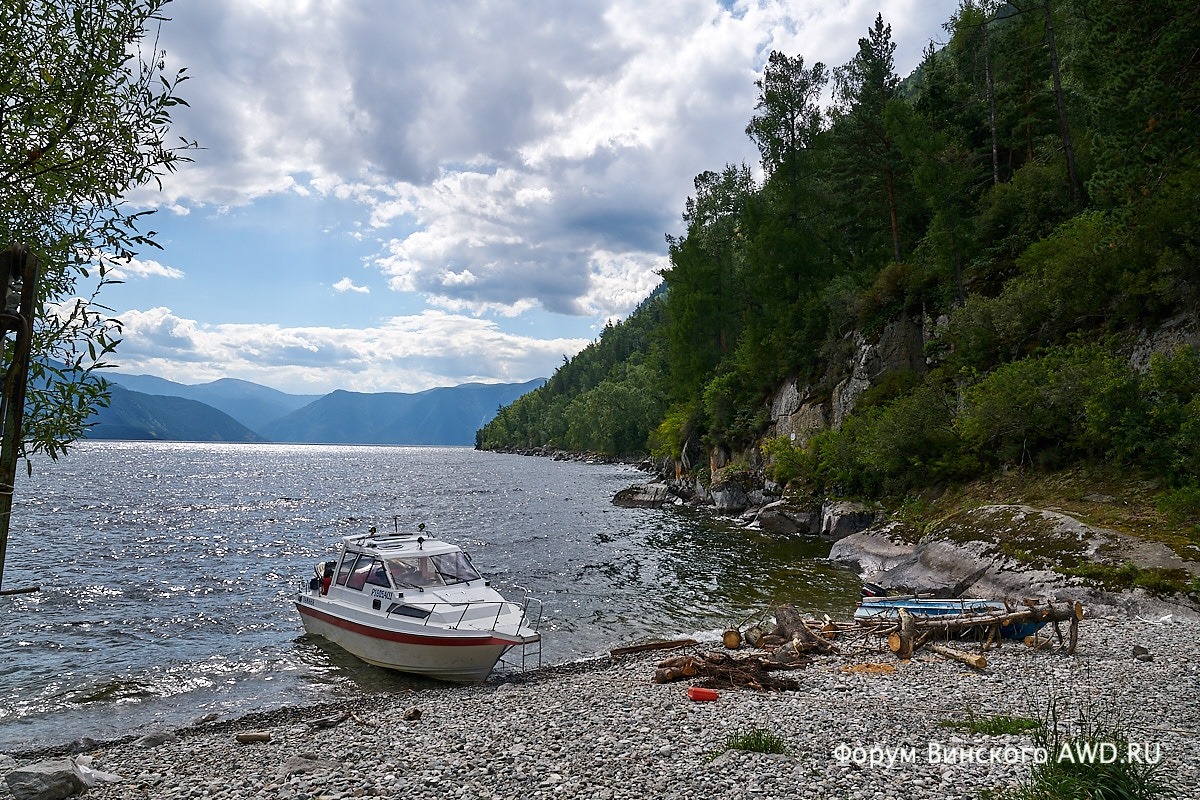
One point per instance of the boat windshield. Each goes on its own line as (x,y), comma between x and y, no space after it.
(439,570)
(455,567)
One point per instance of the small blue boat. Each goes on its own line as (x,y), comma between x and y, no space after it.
(970,610)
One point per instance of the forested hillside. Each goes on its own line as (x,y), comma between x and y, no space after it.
(1031,192)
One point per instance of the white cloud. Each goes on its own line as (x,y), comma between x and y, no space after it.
(502,157)
(518,141)
(141,268)
(347,285)
(403,354)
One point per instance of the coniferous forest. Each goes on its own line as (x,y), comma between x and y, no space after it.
(1031,192)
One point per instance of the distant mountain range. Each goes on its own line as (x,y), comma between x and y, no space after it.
(231,410)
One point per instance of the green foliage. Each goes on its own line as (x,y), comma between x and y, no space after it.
(756,740)
(1029,411)
(785,461)
(669,439)
(1181,506)
(607,399)
(86,114)
(1119,577)
(994,724)
(1073,768)
(947,196)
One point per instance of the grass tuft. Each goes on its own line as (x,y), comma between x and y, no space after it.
(756,740)
(996,725)
(1073,770)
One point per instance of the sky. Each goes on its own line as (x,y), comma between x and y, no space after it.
(394,195)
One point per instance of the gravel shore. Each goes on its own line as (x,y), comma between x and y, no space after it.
(604,731)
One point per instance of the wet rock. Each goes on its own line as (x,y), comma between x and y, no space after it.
(782,518)
(729,497)
(84,744)
(46,780)
(157,739)
(650,495)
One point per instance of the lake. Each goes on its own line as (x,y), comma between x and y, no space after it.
(167,572)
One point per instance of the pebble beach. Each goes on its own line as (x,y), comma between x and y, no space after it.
(863,726)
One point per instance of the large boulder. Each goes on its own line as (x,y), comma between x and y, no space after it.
(840,518)
(783,518)
(46,780)
(729,497)
(650,495)
(873,552)
(972,554)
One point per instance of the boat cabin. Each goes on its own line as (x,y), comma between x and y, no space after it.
(397,562)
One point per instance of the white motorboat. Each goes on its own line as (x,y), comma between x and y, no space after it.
(415,604)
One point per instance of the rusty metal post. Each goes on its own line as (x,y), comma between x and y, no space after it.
(18,287)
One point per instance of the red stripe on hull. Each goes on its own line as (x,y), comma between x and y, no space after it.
(480,640)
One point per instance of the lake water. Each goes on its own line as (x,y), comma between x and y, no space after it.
(167,572)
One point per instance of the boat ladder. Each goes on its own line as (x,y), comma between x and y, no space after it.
(531,652)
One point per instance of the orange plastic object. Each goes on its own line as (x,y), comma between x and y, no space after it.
(699,693)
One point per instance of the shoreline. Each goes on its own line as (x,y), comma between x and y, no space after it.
(600,728)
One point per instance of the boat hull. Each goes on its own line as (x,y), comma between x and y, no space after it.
(873,608)
(448,655)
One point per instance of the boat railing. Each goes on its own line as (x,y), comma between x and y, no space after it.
(439,611)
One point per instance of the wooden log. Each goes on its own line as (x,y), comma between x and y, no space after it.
(1038,642)
(732,638)
(901,640)
(787,622)
(648,646)
(253,736)
(975,660)
(961,622)
(814,642)
(993,634)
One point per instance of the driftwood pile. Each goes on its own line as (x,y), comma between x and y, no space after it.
(790,645)
(793,641)
(910,632)
(717,670)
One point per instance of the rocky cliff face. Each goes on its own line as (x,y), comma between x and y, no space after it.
(798,412)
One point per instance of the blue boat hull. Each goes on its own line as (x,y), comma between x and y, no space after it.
(888,608)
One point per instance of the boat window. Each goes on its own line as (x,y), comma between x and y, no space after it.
(408,611)
(416,572)
(377,575)
(455,567)
(362,568)
(344,570)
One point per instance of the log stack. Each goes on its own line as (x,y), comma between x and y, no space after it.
(793,641)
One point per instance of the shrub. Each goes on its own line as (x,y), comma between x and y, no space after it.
(785,461)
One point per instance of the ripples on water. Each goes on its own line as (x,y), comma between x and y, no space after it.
(167,572)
